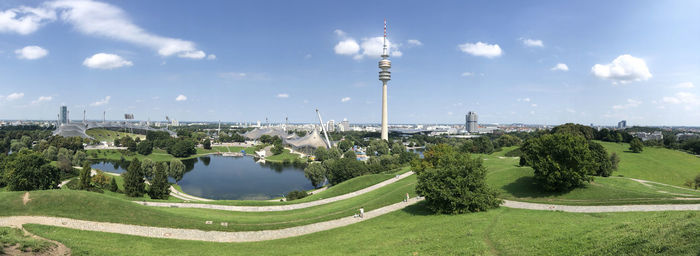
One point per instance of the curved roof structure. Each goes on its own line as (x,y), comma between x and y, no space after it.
(271,131)
(312,140)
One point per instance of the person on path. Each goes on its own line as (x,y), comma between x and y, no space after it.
(362,212)
(407,197)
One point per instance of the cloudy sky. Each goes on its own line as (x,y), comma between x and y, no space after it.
(546,62)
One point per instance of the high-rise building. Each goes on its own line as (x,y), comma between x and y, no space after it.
(622,124)
(330,126)
(345,125)
(63,115)
(385,76)
(472,122)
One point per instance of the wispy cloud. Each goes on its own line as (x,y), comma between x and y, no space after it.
(532,42)
(101,102)
(42,99)
(282,95)
(481,49)
(346,99)
(181,98)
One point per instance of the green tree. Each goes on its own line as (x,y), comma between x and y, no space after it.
(296,194)
(177,170)
(133,180)
(206,144)
(636,145)
(147,167)
(454,182)
(334,153)
(345,145)
(182,148)
(51,153)
(79,157)
(397,148)
(508,140)
(483,145)
(603,165)
(17,145)
(113,185)
(27,170)
(350,154)
(380,147)
(160,187)
(561,161)
(321,154)
(277,149)
(343,169)
(145,147)
(85,176)
(697,181)
(316,173)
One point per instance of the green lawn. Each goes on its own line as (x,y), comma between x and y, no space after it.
(414,231)
(15,237)
(281,157)
(656,164)
(98,207)
(110,136)
(158,155)
(517,183)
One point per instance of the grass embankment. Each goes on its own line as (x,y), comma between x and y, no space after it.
(286,155)
(16,239)
(97,207)
(158,155)
(654,163)
(517,183)
(120,184)
(414,231)
(110,136)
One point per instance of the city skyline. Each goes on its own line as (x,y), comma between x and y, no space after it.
(537,63)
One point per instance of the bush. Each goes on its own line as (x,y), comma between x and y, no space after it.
(296,194)
(145,148)
(636,145)
(514,153)
(561,161)
(454,182)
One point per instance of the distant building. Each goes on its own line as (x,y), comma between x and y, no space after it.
(345,125)
(63,115)
(330,127)
(687,136)
(622,124)
(472,122)
(644,136)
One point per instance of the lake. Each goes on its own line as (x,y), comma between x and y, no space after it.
(232,178)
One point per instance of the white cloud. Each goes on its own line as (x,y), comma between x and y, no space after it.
(560,66)
(97,19)
(42,99)
(346,99)
(630,104)
(570,110)
(340,33)
(31,52)
(686,98)
(467,74)
(532,42)
(533,105)
(624,69)
(524,99)
(211,57)
(101,102)
(347,47)
(15,96)
(481,49)
(181,98)
(282,95)
(25,20)
(685,85)
(106,61)
(414,42)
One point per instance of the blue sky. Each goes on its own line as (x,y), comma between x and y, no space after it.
(546,62)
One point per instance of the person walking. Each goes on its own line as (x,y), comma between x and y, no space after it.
(362,212)
(407,197)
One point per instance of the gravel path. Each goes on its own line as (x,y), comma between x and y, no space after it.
(273,208)
(602,208)
(200,235)
(179,195)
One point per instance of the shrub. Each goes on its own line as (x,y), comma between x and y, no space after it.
(636,145)
(145,148)
(454,182)
(561,161)
(296,194)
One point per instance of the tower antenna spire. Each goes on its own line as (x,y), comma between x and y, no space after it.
(385,53)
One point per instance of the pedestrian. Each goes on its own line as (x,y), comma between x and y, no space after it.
(362,212)
(407,197)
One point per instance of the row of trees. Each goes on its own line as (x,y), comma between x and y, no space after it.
(156,173)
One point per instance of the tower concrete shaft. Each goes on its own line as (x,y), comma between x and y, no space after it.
(385,76)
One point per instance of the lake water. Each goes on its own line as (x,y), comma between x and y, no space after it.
(234,178)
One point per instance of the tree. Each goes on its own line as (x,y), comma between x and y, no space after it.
(51,153)
(147,167)
(350,154)
(321,154)
(636,145)
(129,143)
(561,161)
(454,182)
(133,180)
(614,161)
(296,194)
(182,148)
(334,153)
(206,144)
(277,149)
(575,129)
(697,181)
(603,165)
(113,185)
(145,148)
(316,173)
(160,187)
(27,170)
(85,177)
(397,148)
(508,140)
(345,145)
(344,169)
(64,154)
(483,145)
(79,157)
(379,147)
(177,170)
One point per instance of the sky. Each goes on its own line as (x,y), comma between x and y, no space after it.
(536,62)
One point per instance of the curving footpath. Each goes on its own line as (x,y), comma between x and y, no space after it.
(200,235)
(273,208)
(602,208)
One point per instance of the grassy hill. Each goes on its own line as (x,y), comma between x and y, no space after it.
(110,136)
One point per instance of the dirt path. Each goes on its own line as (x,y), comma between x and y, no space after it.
(602,208)
(272,208)
(201,235)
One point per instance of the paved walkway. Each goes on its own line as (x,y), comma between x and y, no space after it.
(602,208)
(273,208)
(179,195)
(200,235)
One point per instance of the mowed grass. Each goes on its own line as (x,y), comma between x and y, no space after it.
(15,237)
(97,207)
(656,164)
(517,183)
(110,136)
(414,231)
(158,155)
(286,155)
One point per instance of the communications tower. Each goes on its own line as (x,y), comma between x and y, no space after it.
(385,76)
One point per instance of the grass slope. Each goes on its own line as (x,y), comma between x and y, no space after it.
(414,231)
(15,237)
(656,164)
(110,136)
